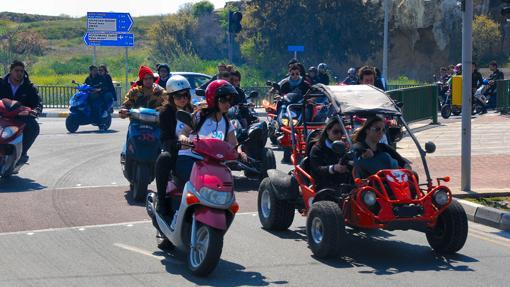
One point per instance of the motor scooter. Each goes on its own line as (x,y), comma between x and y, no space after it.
(141,150)
(86,112)
(11,135)
(203,207)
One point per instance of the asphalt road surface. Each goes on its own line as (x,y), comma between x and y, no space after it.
(66,221)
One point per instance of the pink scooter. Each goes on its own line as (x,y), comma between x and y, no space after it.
(206,210)
(11,136)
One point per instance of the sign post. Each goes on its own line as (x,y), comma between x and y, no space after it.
(111,30)
(296,49)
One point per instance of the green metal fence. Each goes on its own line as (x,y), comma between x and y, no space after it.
(59,96)
(419,103)
(503,96)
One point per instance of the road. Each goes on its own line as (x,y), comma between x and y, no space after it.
(66,221)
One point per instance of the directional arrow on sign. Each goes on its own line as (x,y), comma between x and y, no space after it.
(109,39)
(109,22)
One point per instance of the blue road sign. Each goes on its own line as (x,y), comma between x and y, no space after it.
(109,22)
(296,48)
(109,39)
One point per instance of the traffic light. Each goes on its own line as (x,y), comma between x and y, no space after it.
(505,11)
(234,22)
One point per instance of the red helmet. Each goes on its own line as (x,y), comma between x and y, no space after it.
(217,89)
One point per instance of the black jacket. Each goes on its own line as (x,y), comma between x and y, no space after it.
(476,80)
(360,148)
(321,157)
(286,88)
(26,94)
(167,124)
(323,78)
(107,85)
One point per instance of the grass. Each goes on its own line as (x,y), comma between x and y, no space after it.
(495,202)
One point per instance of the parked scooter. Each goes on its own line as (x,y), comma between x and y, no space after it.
(252,135)
(204,208)
(479,102)
(141,150)
(11,135)
(85,112)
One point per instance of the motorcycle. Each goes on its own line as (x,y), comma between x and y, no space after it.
(204,207)
(11,136)
(84,113)
(252,135)
(141,150)
(479,102)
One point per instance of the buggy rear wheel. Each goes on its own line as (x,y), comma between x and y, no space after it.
(451,230)
(325,229)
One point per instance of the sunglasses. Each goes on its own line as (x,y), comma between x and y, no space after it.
(224,100)
(181,96)
(378,129)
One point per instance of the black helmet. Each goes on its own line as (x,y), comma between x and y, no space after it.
(312,69)
(163,65)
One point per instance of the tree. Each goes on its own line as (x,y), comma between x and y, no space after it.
(17,43)
(486,39)
(202,8)
(332,31)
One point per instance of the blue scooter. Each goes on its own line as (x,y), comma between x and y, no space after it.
(85,112)
(141,150)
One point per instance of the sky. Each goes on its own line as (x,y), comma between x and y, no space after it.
(79,8)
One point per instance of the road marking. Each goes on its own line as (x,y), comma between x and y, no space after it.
(90,186)
(126,224)
(74,227)
(146,253)
(484,235)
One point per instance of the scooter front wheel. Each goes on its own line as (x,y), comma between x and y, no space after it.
(205,255)
(72,124)
(446,111)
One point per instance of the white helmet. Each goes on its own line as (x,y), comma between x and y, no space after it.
(177,83)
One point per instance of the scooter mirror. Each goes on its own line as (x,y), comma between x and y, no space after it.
(339,147)
(200,92)
(74,82)
(269,83)
(430,147)
(185,117)
(254,94)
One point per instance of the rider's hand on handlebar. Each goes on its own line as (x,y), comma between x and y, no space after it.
(368,153)
(123,113)
(243,156)
(185,140)
(340,168)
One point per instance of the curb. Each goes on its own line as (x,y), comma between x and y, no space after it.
(65,115)
(486,215)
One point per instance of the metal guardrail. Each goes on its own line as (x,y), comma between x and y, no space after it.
(59,96)
(419,103)
(503,96)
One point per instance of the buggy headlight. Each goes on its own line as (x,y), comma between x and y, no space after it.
(215,197)
(369,198)
(441,197)
(9,132)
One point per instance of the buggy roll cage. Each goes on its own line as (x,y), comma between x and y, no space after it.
(319,91)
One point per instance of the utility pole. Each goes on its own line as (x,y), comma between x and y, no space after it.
(467,61)
(387,7)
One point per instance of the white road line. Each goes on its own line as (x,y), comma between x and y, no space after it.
(90,186)
(146,253)
(81,228)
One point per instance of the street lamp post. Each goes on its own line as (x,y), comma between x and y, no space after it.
(467,61)
(386,4)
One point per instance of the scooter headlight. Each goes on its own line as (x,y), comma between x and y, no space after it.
(441,197)
(216,197)
(9,132)
(369,198)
